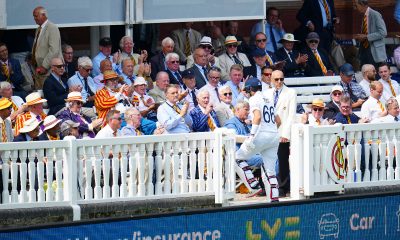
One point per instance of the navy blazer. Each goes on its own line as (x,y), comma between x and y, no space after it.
(16,77)
(200,81)
(200,120)
(22,138)
(291,68)
(311,11)
(173,79)
(312,68)
(157,64)
(55,94)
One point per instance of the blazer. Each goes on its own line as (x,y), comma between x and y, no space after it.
(200,80)
(312,67)
(179,37)
(331,110)
(55,94)
(223,113)
(376,34)
(311,11)
(291,68)
(22,138)
(286,109)
(173,79)
(157,64)
(226,63)
(200,120)
(250,71)
(48,45)
(16,77)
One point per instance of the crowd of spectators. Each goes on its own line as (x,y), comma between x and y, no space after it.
(194,84)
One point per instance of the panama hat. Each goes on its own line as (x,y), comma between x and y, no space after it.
(205,41)
(108,75)
(232,40)
(5,103)
(34,98)
(139,81)
(50,122)
(30,125)
(317,102)
(74,96)
(289,38)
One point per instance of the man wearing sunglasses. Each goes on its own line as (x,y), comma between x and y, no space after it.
(111,130)
(83,79)
(261,43)
(332,107)
(232,56)
(316,117)
(175,76)
(318,63)
(225,109)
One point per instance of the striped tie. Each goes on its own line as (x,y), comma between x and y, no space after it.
(364,30)
(319,60)
(318,122)
(138,133)
(348,119)
(176,109)
(34,63)
(3,132)
(210,123)
(327,12)
(187,44)
(391,88)
(381,106)
(6,72)
(269,59)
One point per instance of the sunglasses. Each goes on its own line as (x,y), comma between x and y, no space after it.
(78,103)
(231,46)
(279,79)
(337,94)
(267,74)
(174,62)
(206,46)
(313,41)
(88,69)
(261,40)
(59,66)
(318,109)
(228,94)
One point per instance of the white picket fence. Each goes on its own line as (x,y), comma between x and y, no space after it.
(105,170)
(370,156)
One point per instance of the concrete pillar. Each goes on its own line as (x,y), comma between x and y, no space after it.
(94,40)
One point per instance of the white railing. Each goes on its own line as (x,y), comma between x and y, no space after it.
(339,157)
(104,170)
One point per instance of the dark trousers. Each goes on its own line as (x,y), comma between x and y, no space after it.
(283,156)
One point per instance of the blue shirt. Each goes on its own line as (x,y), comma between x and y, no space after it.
(127,80)
(236,94)
(77,79)
(278,34)
(323,13)
(171,120)
(96,64)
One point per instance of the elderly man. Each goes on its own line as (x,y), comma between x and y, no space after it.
(128,75)
(374,108)
(5,123)
(200,67)
(191,90)
(206,45)
(214,77)
(145,103)
(173,116)
(136,125)
(186,39)
(390,87)
(273,29)
(10,71)
(126,44)
(261,43)
(54,89)
(17,106)
(332,107)
(368,73)
(285,107)
(231,57)
(158,61)
(51,129)
(225,109)
(294,61)
(70,63)
(204,117)
(351,88)
(393,110)
(29,132)
(111,130)
(83,79)
(175,76)
(318,63)
(34,103)
(108,97)
(236,77)
(105,65)
(346,115)
(158,92)
(46,46)
(74,113)
(316,117)
(105,46)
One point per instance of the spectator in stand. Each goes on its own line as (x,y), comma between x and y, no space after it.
(134,124)
(190,87)
(34,103)
(261,43)
(158,92)
(108,97)
(46,46)
(105,65)
(214,77)
(390,87)
(212,60)
(200,67)
(111,130)
(204,117)
(266,78)
(70,64)
(105,46)
(351,88)
(392,107)
(158,62)
(273,29)
(175,76)
(51,129)
(186,39)
(294,61)
(145,104)
(73,112)
(332,107)
(127,66)
(231,57)
(5,123)
(254,70)
(217,40)
(17,104)
(232,30)
(69,128)
(368,73)
(28,70)
(30,131)
(173,116)
(11,71)
(126,44)
(285,107)
(318,63)
(346,115)
(224,110)
(54,89)
(316,117)
(373,32)
(318,16)
(85,82)
(235,83)
(373,108)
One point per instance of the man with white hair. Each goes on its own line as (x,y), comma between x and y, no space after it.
(158,61)
(158,92)
(126,44)
(175,76)
(225,110)
(368,73)
(128,66)
(83,79)
(203,115)
(6,91)
(214,77)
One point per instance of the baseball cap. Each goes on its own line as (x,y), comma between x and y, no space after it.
(337,88)
(252,82)
(188,73)
(347,69)
(312,35)
(258,53)
(105,41)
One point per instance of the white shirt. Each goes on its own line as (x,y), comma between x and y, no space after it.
(107,132)
(365,85)
(371,109)
(171,120)
(386,119)
(313,122)
(265,104)
(387,92)
(189,98)
(213,93)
